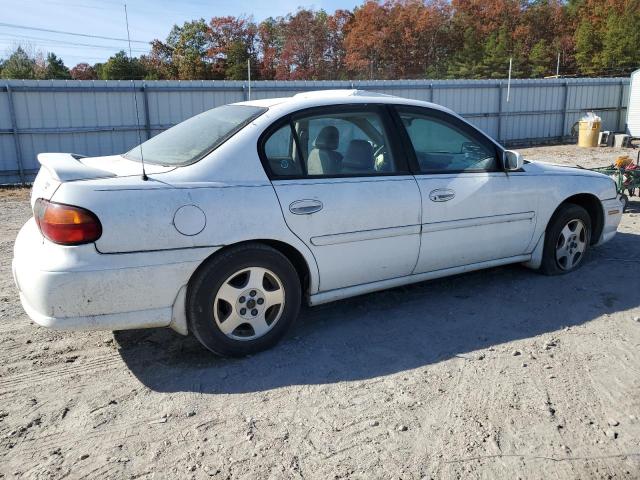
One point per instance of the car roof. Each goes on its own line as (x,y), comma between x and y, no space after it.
(319,98)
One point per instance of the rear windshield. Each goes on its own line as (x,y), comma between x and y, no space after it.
(191,140)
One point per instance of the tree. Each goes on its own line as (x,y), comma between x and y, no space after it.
(541,59)
(587,47)
(365,41)
(270,41)
(606,35)
(621,40)
(121,67)
(305,45)
(232,41)
(159,64)
(338,26)
(19,65)
(383,39)
(83,71)
(184,54)
(55,68)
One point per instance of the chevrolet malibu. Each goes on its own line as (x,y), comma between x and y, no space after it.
(224,224)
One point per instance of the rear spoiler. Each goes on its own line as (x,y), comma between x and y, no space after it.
(67,167)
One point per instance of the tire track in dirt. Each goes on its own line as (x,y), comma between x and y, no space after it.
(22,381)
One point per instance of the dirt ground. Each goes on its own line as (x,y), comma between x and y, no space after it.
(496,374)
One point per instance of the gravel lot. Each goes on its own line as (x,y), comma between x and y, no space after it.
(497,374)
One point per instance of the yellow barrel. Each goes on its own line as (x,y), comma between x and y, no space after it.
(588,133)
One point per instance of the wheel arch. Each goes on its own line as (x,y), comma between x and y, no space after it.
(297,259)
(593,206)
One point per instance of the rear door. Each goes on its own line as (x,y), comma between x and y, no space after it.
(346,192)
(472,211)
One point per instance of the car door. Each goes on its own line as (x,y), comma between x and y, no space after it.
(346,192)
(472,210)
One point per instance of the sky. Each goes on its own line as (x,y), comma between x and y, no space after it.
(148,19)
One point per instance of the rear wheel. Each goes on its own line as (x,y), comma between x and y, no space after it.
(566,240)
(243,300)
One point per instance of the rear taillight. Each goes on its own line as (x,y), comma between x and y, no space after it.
(66,224)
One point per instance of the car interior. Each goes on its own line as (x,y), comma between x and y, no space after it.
(355,144)
(440,147)
(333,145)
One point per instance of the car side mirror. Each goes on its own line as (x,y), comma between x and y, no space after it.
(512,160)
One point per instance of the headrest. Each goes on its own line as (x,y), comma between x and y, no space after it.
(359,155)
(328,138)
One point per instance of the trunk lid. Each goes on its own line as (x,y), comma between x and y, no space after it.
(58,168)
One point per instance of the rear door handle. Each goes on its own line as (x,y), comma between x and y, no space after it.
(305,207)
(441,195)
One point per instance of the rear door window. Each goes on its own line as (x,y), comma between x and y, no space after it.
(344,142)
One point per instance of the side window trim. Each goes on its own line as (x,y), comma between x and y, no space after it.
(468,129)
(296,141)
(387,122)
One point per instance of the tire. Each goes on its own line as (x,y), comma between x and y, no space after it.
(625,202)
(566,240)
(243,300)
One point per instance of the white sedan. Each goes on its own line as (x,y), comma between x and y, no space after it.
(247,210)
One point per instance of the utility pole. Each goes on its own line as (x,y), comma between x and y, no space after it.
(249,77)
(558,67)
(509,80)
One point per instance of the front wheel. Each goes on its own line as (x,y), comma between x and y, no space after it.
(243,301)
(566,240)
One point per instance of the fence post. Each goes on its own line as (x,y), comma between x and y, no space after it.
(564,110)
(499,112)
(620,97)
(16,138)
(147,120)
(431,92)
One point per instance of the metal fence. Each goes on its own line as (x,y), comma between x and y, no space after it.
(99,117)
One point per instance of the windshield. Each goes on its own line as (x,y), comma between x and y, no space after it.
(191,140)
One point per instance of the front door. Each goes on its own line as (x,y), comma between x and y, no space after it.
(346,194)
(472,211)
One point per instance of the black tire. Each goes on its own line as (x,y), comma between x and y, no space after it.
(565,214)
(625,202)
(211,276)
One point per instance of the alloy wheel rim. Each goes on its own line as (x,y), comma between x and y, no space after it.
(249,303)
(571,244)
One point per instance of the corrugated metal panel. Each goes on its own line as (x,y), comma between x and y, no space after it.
(99,117)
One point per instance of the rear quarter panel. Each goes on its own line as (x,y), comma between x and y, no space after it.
(139,218)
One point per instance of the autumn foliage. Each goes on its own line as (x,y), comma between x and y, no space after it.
(422,38)
(398,39)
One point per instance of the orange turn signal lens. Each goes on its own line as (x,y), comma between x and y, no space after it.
(66,224)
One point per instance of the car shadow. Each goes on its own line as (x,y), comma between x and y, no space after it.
(634,205)
(401,329)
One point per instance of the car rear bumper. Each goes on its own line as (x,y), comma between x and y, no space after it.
(612,216)
(78,288)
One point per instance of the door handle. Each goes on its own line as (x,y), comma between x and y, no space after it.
(305,207)
(441,195)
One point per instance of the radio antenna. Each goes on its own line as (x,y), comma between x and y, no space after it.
(135,98)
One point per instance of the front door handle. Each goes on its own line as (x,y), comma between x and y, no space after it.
(305,207)
(441,195)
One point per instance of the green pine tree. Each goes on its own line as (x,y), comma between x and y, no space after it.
(621,43)
(541,59)
(121,67)
(19,65)
(55,68)
(588,44)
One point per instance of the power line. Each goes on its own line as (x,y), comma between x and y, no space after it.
(65,43)
(25,27)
